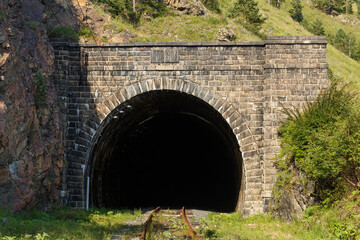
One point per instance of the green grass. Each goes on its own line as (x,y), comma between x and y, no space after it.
(187,28)
(32,25)
(63,32)
(319,222)
(279,23)
(234,226)
(167,227)
(342,219)
(343,67)
(63,223)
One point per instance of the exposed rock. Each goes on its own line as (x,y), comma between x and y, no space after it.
(30,137)
(226,35)
(60,13)
(124,36)
(347,20)
(188,7)
(291,201)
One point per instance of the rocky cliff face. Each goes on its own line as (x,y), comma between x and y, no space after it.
(292,199)
(31,152)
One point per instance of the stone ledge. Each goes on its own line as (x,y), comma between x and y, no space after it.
(167,44)
(270,40)
(289,40)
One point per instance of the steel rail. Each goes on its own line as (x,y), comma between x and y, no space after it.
(184,218)
(146,224)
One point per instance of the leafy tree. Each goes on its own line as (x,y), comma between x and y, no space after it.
(247,12)
(296,10)
(331,6)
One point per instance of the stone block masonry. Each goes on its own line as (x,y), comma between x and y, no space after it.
(246,82)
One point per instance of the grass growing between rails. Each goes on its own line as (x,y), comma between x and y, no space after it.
(318,223)
(64,223)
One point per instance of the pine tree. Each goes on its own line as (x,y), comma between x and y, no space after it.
(331,6)
(341,40)
(247,12)
(317,28)
(296,11)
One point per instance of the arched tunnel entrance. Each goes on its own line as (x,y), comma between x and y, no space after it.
(166,148)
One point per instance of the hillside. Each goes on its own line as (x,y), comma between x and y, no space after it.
(176,25)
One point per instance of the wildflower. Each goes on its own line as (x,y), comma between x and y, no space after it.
(4,220)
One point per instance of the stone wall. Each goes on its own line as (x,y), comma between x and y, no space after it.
(244,81)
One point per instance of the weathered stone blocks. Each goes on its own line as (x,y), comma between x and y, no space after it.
(244,81)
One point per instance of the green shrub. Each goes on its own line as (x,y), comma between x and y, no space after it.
(32,25)
(86,32)
(316,27)
(323,140)
(296,10)
(330,6)
(212,5)
(247,12)
(63,32)
(341,41)
(276,3)
(124,9)
(40,95)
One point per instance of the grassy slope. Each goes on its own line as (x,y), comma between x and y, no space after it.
(278,23)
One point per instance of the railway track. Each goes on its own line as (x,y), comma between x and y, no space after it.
(172,216)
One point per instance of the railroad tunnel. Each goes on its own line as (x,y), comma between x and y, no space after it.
(166,148)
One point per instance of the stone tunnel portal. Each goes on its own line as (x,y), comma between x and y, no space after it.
(166,148)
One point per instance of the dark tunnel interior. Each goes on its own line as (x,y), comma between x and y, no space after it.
(168,149)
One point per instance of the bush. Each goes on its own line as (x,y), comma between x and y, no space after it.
(86,32)
(316,27)
(296,10)
(276,3)
(323,140)
(247,12)
(212,5)
(330,6)
(40,95)
(63,32)
(124,9)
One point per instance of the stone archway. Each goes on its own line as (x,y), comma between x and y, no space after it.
(94,128)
